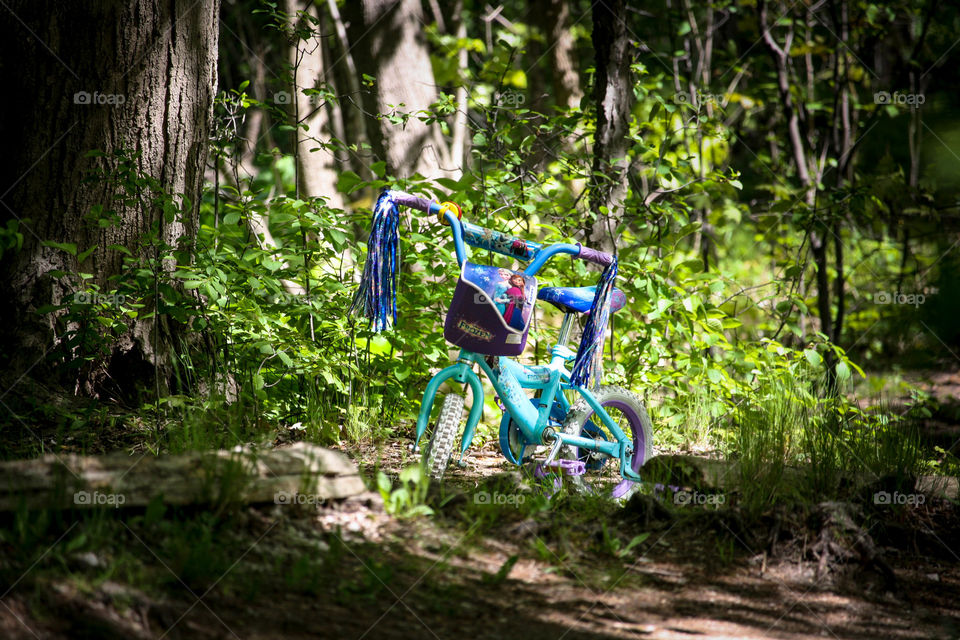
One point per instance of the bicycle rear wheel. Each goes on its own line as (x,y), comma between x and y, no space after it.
(602,476)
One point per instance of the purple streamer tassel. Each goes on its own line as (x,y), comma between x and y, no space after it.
(588,367)
(376,298)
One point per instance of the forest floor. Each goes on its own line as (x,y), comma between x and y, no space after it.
(529,567)
(522,566)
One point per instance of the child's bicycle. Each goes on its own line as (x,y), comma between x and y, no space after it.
(599,439)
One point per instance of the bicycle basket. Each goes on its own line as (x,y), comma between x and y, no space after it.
(491,310)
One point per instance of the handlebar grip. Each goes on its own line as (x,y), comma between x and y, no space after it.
(415,202)
(594,256)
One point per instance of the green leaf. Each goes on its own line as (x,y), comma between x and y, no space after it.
(843,372)
(383,484)
(69,247)
(348,181)
(503,572)
(86,254)
(814,358)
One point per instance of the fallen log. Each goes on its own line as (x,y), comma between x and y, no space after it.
(301,473)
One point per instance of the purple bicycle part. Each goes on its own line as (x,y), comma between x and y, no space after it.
(414,202)
(638,434)
(622,488)
(568,467)
(594,256)
(540,474)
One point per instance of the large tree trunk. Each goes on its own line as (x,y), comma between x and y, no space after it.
(613,93)
(111,75)
(391,45)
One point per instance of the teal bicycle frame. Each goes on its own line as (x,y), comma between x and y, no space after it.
(509,378)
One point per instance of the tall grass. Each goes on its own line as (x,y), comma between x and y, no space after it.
(792,440)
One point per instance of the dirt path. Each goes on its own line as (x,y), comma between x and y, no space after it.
(350,571)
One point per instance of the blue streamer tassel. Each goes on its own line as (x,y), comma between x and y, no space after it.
(376,298)
(588,367)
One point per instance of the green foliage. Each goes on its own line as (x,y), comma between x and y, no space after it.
(720,331)
(408,498)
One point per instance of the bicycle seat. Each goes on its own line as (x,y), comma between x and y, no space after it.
(569,299)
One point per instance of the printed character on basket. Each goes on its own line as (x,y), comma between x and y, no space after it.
(514,312)
(500,297)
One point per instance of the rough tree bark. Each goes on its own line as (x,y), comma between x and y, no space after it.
(108,75)
(613,94)
(391,47)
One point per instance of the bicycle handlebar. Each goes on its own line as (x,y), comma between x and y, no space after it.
(518,248)
(602,258)
(416,202)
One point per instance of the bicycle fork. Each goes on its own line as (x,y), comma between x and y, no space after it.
(462,372)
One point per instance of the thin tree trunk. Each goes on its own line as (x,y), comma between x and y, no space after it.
(566,78)
(316,166)
(613,93)
(794,114)
(458,145)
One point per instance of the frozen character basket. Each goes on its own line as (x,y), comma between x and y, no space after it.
(491,310)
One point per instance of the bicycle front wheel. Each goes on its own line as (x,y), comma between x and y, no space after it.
(602,476)
(436,457)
